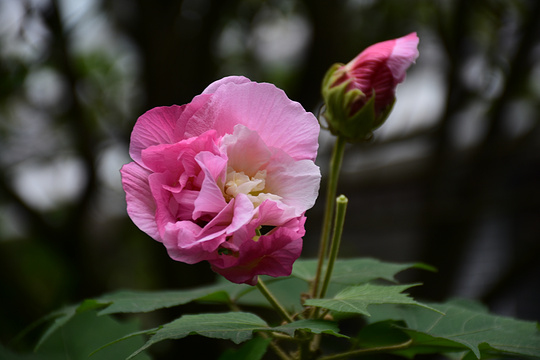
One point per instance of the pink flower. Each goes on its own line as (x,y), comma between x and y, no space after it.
(209,178)
(363,90)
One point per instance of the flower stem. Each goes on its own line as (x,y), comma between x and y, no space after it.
(341,209)
(335,167)
(375,350)
(273,301)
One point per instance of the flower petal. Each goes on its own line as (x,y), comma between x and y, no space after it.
(236,145)
(154,127)
(141,206)
(272,255)
(212,88)
(210,200)
(404,53)
(297,182)
(262,108)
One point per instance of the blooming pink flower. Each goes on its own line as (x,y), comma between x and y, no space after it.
(375,72)
(209,177)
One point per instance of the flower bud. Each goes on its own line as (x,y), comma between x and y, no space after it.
(359,95)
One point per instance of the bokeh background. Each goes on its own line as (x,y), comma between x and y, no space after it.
(452,179)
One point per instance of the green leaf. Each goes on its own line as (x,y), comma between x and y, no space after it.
(464,327)
(234,326)
(355,271)
(356,299)
(254,349)
(85,333)
(314,326)
(145,301)
(142,301)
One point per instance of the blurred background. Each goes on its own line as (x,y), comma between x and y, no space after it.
(452,179)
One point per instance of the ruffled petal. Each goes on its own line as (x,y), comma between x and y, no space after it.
(245,150)
(141,206)
(404,54)
(210,200)
(296,182)
(272,254)
(212,88)
(154,127)
(181,240)
(262,108)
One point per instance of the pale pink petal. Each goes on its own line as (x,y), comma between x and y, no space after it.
(181,240)
(210,200)
(262,108)
(245,150)
(154,127)
(212,88)
(404,53)
(297,182)
(141,206)
(167,207)
(238,212)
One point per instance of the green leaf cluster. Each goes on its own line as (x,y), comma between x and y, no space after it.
(364,288)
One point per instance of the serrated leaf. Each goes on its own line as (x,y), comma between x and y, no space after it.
(253,349)
(141,301)
(314,326)
(234,326)
(464,327)
(356,299)
(355,271)
(145,301)
(86,332)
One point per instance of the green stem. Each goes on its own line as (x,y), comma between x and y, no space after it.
(273,301)
(375,350)
(335,167)
(278,350)
(341,209)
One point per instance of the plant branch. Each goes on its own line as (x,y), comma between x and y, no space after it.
(335,167)
(341,209)
(375,350)
(273,301)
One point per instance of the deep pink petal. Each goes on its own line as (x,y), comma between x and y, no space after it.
(272,255)
(141,206)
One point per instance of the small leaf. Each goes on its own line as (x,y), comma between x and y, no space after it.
(356,299)
(86,332)
(355,271)
(145,301)
(254,349)
(464,327)
(234,326)
(314,326)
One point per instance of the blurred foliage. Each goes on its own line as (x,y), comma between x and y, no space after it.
(75,75)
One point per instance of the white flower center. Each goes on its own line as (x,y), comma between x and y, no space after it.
(253,187)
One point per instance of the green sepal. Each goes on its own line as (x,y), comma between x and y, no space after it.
(355,127)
